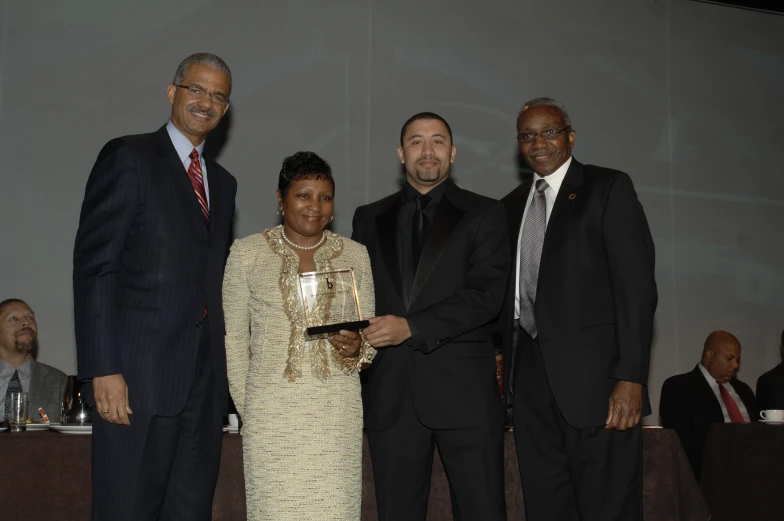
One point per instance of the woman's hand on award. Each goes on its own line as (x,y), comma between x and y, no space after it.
(347,343)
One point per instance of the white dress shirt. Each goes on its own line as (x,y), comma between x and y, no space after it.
(184,149)
(715,388)
(554,181)
(7,372)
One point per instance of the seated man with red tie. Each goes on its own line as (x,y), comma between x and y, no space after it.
(708,394)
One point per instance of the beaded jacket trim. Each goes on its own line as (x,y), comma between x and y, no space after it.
(319,349)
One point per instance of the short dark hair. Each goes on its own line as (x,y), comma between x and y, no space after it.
(13,301)
(300,166)
(425,115)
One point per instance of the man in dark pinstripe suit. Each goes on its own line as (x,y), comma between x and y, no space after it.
(149,256)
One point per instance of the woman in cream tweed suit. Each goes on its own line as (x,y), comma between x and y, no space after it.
(299,398)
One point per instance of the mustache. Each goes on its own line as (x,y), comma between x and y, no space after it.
(205,112)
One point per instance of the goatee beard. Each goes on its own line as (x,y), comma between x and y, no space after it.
(432,177)
(26,347)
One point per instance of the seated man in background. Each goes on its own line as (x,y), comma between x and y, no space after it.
(770,386)
(708,394)
(43,384)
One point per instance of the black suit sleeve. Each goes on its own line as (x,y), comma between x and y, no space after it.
(749,400)
(765,392)
(111,202)
(231,221)
(676,414)
(355,235)
(480,300)
(630,256)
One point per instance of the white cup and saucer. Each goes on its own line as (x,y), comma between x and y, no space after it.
(234,424)
(772,416)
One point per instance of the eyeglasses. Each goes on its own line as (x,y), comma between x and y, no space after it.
(549,134)
(198,92)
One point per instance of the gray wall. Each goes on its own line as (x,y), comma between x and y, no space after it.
(683,96)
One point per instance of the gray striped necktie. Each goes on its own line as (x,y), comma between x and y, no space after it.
(530,254)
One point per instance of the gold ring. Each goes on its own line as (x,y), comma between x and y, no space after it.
(105,411)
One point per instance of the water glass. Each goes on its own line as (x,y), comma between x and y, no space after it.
(17,412)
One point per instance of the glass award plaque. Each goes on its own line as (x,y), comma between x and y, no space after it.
(330,301)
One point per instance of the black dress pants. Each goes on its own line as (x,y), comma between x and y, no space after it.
(402,459)
(570,474)
(161,468)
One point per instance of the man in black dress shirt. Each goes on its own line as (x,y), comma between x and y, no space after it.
(440,260)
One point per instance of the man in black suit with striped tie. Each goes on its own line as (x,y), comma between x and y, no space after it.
(577,324)
(149,256)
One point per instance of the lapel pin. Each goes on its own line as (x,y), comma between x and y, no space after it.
(572,197)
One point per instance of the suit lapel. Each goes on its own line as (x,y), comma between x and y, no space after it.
(215,183)
(514,204)
(386,225)
(182,183)
(568,195)
(515,208)
(36,385)
(707,396)
(446,219)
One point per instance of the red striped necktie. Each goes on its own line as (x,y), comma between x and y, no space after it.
(197,180)
(732,408)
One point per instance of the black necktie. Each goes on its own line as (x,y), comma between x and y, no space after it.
(419,229)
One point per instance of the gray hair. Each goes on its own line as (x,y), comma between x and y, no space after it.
(549,102)
(203,58)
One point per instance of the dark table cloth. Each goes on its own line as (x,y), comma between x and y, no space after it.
(49,473)
(743,471)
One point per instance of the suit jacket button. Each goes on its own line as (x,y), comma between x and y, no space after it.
(199,323)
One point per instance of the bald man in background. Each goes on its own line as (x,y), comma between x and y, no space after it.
(710,393)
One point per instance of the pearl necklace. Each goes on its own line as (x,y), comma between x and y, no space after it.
(294,245)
